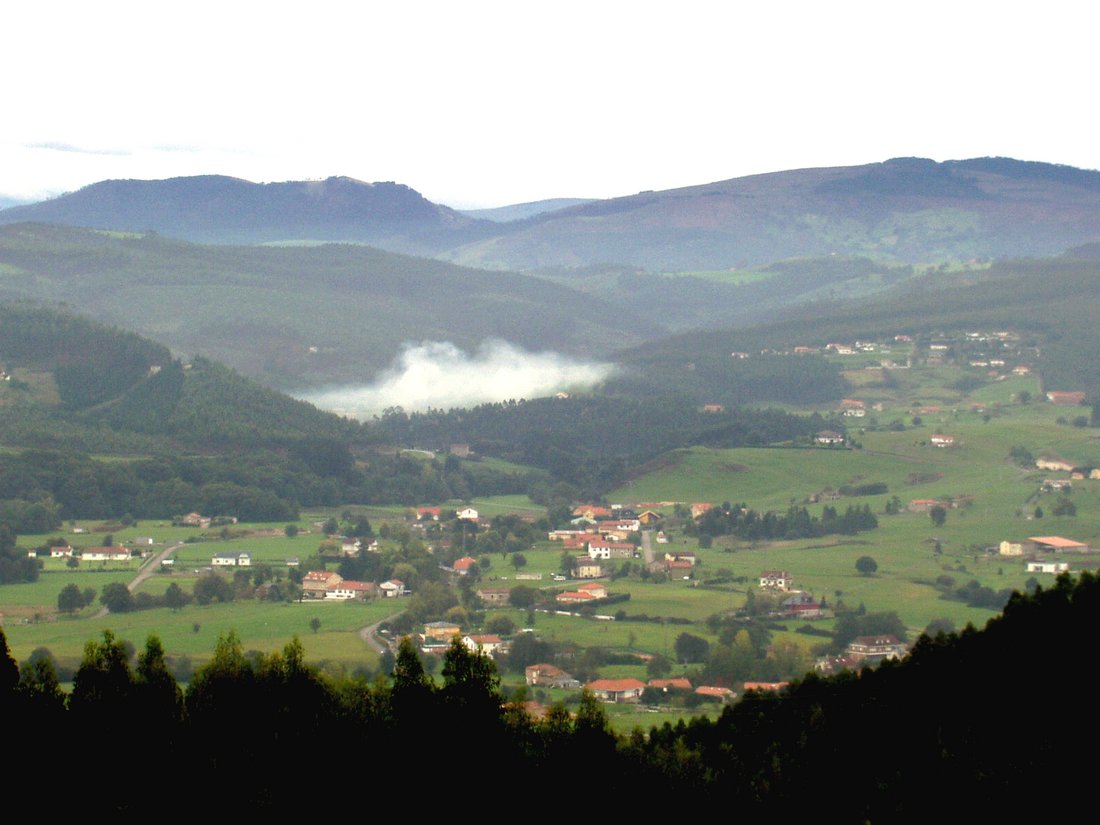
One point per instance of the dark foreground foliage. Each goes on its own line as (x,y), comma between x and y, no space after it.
(978,724)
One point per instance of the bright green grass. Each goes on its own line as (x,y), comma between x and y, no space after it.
(263,626)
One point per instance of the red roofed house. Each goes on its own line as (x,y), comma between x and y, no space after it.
(1057,544)
(679,683)
(941,440)
(393,588)
(347,590)
(544,675)
(595,589)
(1066,399)
(574,597)
(714,692)
(699,508)
(775,686)
(617,690)
(463,565)
(487,644)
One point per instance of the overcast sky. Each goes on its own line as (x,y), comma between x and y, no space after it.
(488,103)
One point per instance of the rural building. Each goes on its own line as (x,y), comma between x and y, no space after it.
(347,590)
(1066,399)
(1054,464)
(829,437)
(316,583)
(544,675)
(485,643)
(115,554)
(441,631)
(617,690)
(776,579)
(1011,548)
(1048,567)
(714,692)
(231,560)
(941,440)
(875,648)
(678,683)
(493,596)
(775,687)
(393,588)
(587,568)
(1057,544)
(599,549)
(462,566)
(61,552)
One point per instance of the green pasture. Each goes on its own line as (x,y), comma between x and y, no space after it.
(263,626)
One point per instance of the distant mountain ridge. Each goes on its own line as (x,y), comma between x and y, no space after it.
(904,210)
(220,209)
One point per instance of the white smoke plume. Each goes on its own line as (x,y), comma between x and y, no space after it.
(439,375)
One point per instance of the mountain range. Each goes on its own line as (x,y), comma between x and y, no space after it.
(902,210)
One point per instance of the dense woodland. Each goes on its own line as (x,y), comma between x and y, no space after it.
(930,735)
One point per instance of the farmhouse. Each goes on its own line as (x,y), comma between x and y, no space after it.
(393,588)
(1011,548)
(617,690)
(231,560)
(1053,463)
(941,440)
(544,675)
(61,552)
(347,590)
(776,579)
(485,643)
(115,554)
(441,631)
(462,566)
(829,437)
(599,549)
(1066,399)
(493,596)
(587,568)
(1048,567)
(316,583)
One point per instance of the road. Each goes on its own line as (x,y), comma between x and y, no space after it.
(647,546)
(151,564)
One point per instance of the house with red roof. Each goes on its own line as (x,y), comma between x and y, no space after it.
(617,690)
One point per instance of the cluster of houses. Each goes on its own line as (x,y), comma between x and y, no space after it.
(322,584)
(437,636)
(798,604)
(627,690)
(86,554)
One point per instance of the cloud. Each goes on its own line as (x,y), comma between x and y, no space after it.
(57,146)
(439,375)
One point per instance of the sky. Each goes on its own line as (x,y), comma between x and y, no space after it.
(480,104)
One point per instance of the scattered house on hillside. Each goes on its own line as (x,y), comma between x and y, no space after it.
(544,675)
(393,588)
(466,514)
(231,560)
(941,440)
(700,507)
(347,590)
(441,631)
(1010,548)
(428,513)
(665,685)
(488,644)
(829,437)
(462,566)
(63,551)
(316,583)
(193,520)
(681,556)
(1066,399)
(1021,369)
(776,580)
(1057,544)
(874,649)
(144,541)
(113,554)
(350,547)
(592,511)
(587,568)
(713,408)
(600,549)
(661,537)
(293,561)
(650,517)
(617,690)
(722,694)
(595,589)
(801,606)
(1054,567)
(459,450)
(1054,463)
(493,596)
(1055,485)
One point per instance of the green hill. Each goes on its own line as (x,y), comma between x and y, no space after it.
(299,317)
